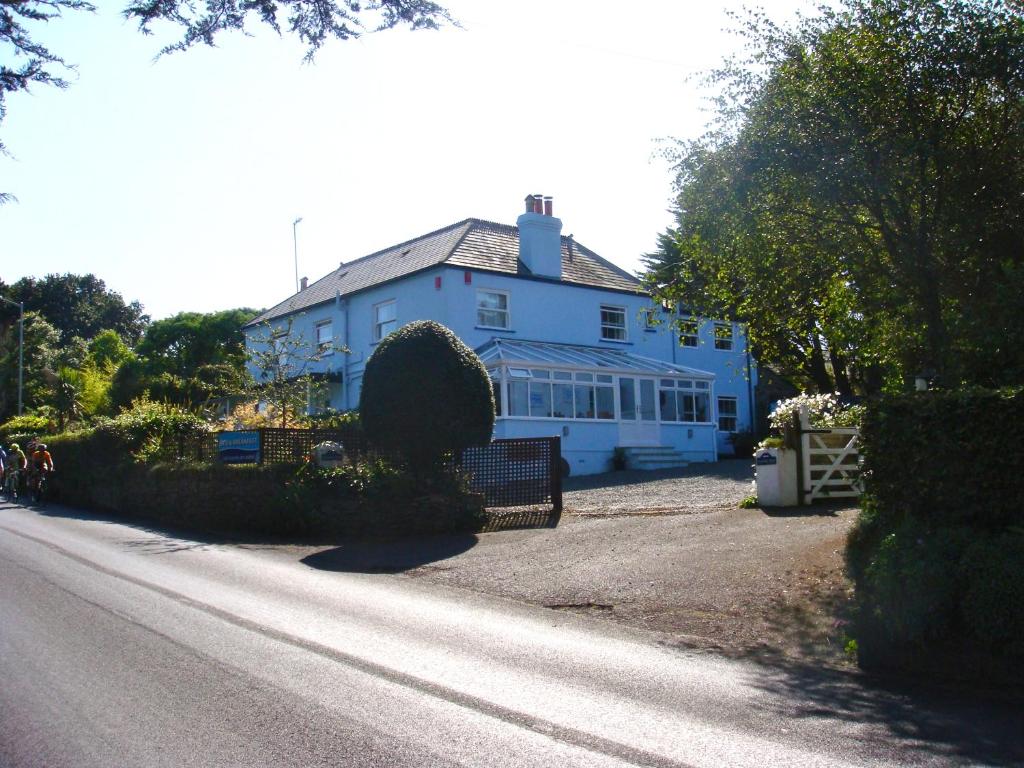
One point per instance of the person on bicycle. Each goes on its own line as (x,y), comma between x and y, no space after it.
(40,463)
(16,463)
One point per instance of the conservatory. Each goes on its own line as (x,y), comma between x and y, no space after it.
(599,399)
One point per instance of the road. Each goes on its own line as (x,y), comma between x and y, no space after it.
(122,646)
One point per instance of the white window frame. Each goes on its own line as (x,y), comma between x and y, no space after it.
(734,416)
(650,318)
(606,327)
(720,341)
(685,338)
(325,345)
(507,310)
(378,333)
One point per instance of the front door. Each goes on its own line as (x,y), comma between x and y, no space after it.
(638,414)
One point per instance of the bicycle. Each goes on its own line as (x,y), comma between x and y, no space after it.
(37,482)
(12,484)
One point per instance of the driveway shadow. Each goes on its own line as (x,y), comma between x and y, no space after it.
(950,726)
(390,556)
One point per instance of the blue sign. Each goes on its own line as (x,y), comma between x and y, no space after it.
(238,447)
(764,459)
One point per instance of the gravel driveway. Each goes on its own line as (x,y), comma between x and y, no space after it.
(697,487)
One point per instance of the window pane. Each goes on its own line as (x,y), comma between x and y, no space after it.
(688,332)
(540,399)
(727,406)
(703,413)
(604,378)
(723,335)
(584,402)
(540,373)
(584,377)
(563,375)
(613,323)
(491,300)
(627,399)
(702,385)
(667,398)
(518,398)
(562,401)
(686,406)
(385,312)
(647,412)
(492,318)
(605,403)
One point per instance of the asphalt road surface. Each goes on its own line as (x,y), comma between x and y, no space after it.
(121,646)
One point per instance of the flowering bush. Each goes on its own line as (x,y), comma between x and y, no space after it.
(823,411)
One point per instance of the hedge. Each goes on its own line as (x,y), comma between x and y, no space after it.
(95,471)
(937,554)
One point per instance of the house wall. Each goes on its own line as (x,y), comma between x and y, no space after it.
(539,310)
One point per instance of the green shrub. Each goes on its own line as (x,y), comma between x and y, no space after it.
(992,609)
(29,424)
(425,393)
(937,456)
(152,431)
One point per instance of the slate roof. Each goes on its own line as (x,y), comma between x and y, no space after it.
(469,244)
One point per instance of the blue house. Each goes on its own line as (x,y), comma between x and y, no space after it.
(573,344)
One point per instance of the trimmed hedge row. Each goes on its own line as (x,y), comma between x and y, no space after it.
(371,500)
(937,554)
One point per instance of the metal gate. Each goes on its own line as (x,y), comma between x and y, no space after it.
(830,462)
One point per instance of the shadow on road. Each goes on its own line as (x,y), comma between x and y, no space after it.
(390,556)
(726,469)
(831,509)
(953,726)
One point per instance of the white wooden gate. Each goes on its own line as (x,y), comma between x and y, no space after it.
(831,462)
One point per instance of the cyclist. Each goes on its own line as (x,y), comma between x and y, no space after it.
(40,463)
(16,463)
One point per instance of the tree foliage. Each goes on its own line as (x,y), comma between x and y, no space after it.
(76,305)
(188,359)
(426,393)
(860,199)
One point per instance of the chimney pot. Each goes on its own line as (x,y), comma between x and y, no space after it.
(304,282)
(538,203)
(548,206)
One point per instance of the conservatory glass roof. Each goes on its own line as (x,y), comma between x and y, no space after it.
(549,354)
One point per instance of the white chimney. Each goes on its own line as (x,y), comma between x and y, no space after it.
(540,238)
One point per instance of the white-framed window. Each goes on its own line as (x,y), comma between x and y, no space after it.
(684,400)
(385,319)
(649,318)
(613,323)
(279,341)
(543,394)
(492,309)
(324,336)
(688,332)
(726,413)
(723,336)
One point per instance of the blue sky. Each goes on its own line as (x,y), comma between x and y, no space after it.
(177,181)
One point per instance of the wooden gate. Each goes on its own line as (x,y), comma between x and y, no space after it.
(830,462)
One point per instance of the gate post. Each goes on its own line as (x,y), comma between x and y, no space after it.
(556,474)
(802,475)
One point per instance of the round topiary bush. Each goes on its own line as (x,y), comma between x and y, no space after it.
(426,393)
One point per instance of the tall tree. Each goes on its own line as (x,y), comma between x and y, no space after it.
(860,200)
(187,359)
(40,362)
(76,305)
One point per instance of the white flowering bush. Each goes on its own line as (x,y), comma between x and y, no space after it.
(823,411)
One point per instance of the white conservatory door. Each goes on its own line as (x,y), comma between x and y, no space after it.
(638,412)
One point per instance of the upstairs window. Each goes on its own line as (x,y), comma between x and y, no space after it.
(492,309)
(385,319)
(613,323)
(727,414)
(649,316)
(723,336)
(687,332)
(324,337)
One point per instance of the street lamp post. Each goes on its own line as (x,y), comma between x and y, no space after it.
(295,247)
(21,347)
